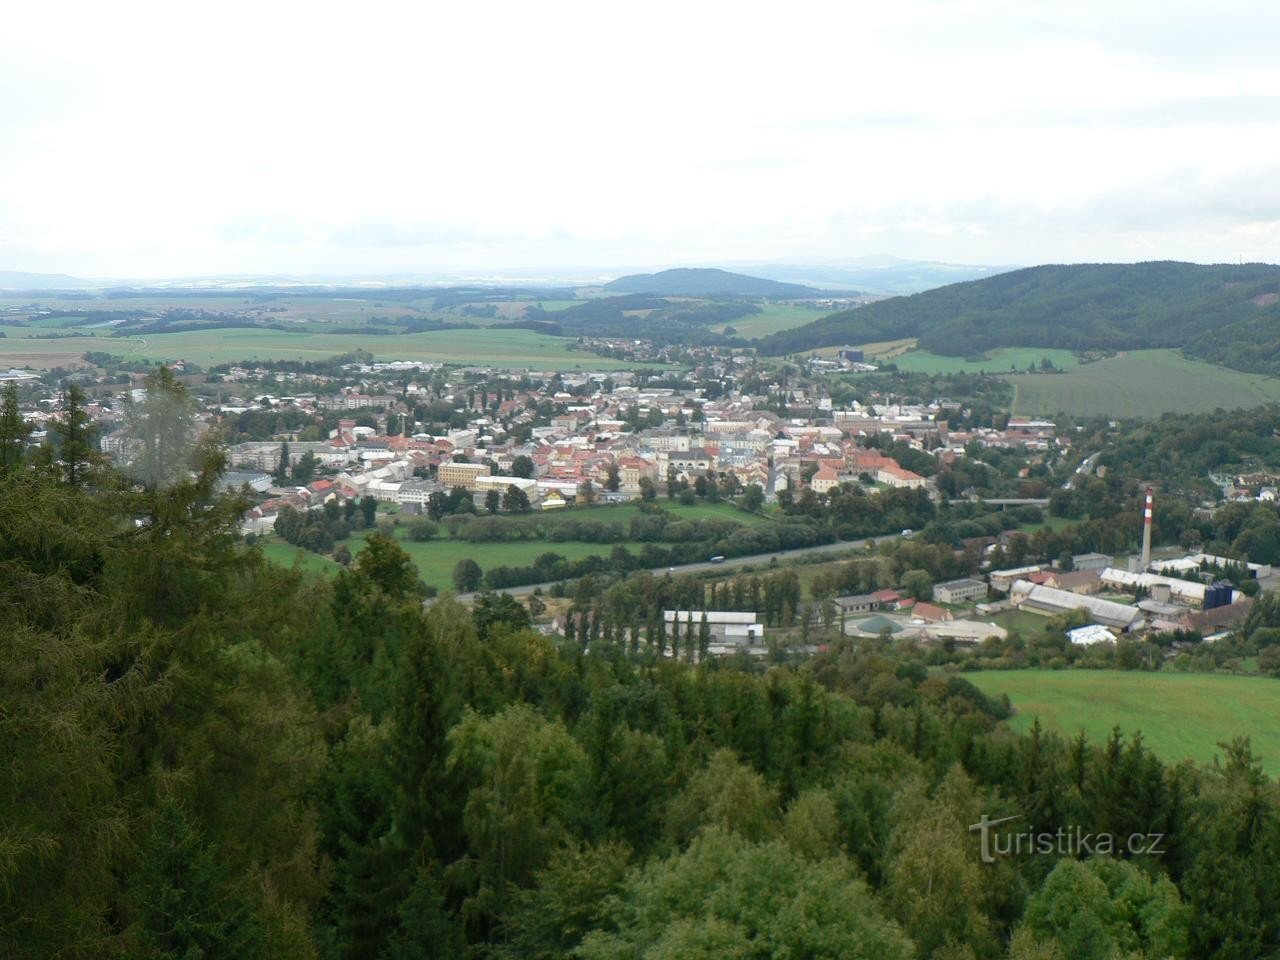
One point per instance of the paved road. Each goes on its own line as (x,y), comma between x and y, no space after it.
(842,546)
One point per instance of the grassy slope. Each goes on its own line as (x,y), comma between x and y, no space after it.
(1181,716)
(998,361)
(771,318)
(1144,383)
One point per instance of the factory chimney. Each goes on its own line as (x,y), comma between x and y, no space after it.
(1146,531)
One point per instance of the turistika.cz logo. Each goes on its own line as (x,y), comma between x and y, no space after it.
(1065,841)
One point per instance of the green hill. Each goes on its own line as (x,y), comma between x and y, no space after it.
(704,282)
(1228,314)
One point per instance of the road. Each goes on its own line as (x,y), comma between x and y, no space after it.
(841,546)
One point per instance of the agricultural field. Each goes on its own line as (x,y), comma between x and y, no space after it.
(514,348)
(1141,383)
(998,361)
(1181,715)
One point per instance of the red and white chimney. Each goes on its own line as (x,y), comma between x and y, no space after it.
(1146,528)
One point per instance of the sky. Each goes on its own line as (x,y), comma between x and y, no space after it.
(172,139)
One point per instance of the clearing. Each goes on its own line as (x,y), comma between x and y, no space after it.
(1181,715)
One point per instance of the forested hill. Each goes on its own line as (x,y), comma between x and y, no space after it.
(1225,313)
(701,282)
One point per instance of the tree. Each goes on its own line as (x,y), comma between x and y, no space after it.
(752,498)
(384,563)
(586,492)
(75,431)
(525,778)
(467,575)
(611,482)
(522,467)
(708,902)
(422,529)
(185,902)
(161,427)
(14,431)
(281,475)
(515,500)
(918,584)
(647,489)
(369,509)
(304,471)
(493,500)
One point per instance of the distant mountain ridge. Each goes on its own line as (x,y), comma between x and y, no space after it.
(1225,313)
(709,282)
(879,275)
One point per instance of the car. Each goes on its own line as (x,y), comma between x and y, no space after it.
(907,532)
(716,560)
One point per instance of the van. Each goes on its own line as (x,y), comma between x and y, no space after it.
(907,532)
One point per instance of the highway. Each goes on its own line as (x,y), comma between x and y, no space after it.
(841,546)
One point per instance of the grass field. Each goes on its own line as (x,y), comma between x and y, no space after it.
(998,361)
(772,318)
(1142,383)
(514,348)
(1181,716)
(436,559)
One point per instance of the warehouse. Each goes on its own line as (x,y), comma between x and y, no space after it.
(1050,602)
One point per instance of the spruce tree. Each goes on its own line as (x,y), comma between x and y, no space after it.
(13,432)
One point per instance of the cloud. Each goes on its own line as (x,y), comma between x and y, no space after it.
(144,139)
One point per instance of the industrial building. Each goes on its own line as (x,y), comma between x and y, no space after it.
(730,630)
(1186,592)
(1051,602)
(1091,561)
(960,591)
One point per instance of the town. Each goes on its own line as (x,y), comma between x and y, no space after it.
(480,455)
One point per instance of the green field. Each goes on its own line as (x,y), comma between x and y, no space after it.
(998,361)
(772,318)
(1142,383)
(436,559)
(514,348)
(1181,715)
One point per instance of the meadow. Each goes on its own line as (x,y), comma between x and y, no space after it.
(435,559)
(1181,715)
(772,318)
(1141,383)
(1004,360)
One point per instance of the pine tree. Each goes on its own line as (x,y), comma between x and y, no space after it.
(75,430)
(13,432)
(282,468)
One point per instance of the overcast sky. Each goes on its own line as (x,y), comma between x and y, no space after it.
(149,141)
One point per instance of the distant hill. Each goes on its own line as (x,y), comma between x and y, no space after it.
(707,282)
(1226,313)
(17,280)
(655,318)
(881,275)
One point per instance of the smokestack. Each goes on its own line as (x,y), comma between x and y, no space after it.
(1146,531)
